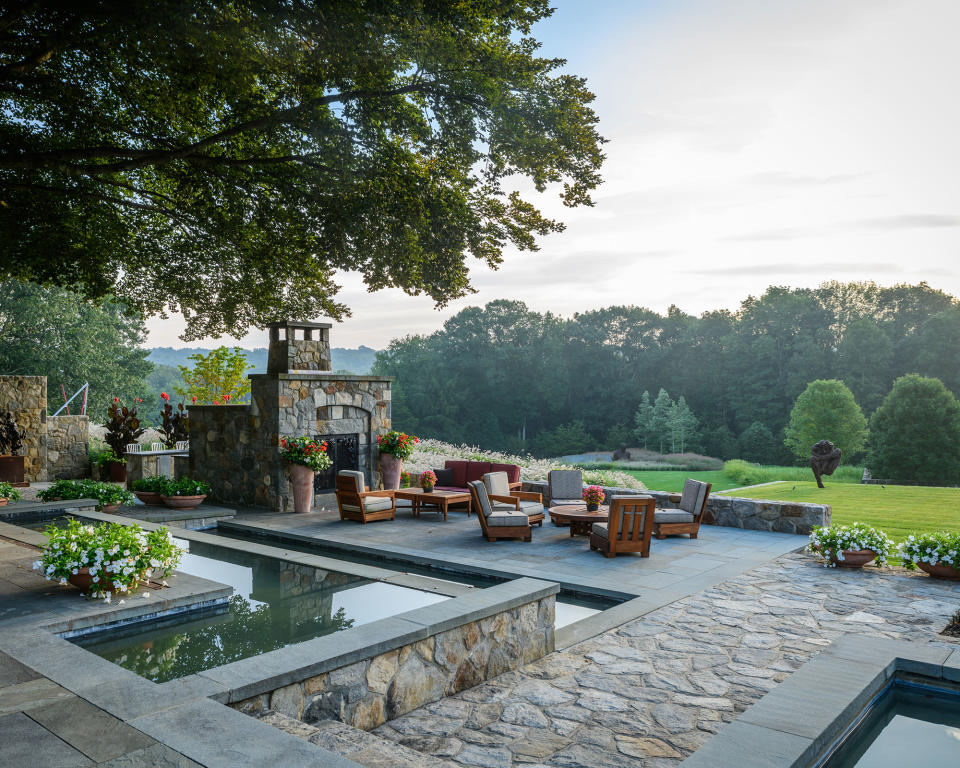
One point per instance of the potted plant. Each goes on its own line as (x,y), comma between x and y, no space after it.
(11,442)
(150,490)
(8,493)
(108,495)
(428,479)
(935,553)
(406,479)
(123,428)
(594,496)
(395,447)
(174,425)
(184,493)
(107,559)
(850,546)
(305,456)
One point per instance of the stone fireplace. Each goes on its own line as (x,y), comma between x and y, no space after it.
(236,447)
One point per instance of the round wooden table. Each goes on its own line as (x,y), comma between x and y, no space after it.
(581,522)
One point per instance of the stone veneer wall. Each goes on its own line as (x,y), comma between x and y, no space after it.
(732,511)
(68,447)
(367,693)
(26,398)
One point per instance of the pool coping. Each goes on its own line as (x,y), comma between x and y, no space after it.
(801,721)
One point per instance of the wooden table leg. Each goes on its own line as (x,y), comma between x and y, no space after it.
(446,503)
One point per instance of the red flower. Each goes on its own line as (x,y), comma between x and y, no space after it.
(164,396)
(194,399)
(226,397)
(116,399)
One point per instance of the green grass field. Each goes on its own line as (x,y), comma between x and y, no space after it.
(672,480)
(897,509)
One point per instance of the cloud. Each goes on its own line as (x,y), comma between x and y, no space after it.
(878,223)
(801,269)
(788,179)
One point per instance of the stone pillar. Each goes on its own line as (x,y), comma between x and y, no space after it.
(26,398)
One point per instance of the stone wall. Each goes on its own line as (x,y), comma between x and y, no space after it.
(732,511)
(367,693)
(26,398)
(68,447)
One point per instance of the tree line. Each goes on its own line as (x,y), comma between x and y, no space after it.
(506,377)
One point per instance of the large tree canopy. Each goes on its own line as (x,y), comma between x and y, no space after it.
(225,158)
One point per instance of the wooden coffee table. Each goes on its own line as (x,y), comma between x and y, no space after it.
(439,499)
(581,522)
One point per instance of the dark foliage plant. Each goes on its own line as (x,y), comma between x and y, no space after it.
(174,425)
(123,427)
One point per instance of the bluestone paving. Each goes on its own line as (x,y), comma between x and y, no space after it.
(24,743)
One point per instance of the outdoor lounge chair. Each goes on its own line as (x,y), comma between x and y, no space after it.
(498,524)
(565,487)
(630,517)
(503,499)
(687,518)
(357,502)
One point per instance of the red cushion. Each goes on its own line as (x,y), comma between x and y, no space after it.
(512,470)
(459,472)
(477,469)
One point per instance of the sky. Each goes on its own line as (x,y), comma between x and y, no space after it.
(751,142)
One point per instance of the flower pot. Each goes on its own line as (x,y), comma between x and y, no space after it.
(3,502)
(182,502)
(592,507)
(11,470)
(118,471)
(390,467)
(940,570)
(856,558)
(149,498)
(427,488)
(83,581)
(301,478)
(110,508)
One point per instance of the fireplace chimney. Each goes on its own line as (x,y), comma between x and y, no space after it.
(297,347)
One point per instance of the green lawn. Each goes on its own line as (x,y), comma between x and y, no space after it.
(897,509)
(672,480)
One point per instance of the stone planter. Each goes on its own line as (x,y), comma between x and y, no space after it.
(301,478)
(149,498)
(11,470)
(856,558)
(118,471)
(183,502)
(110,509)
(82,580)
(391,468)
(939,570)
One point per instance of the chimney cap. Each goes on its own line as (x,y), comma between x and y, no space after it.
(298,324)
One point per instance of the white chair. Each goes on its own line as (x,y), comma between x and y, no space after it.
(183,445)
(157,447)
(134,448)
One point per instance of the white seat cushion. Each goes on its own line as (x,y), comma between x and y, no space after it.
(672,516)
(507,519)
(601,529)
(497,483)
(371,504)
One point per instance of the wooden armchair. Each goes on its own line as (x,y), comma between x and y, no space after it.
(357,502)
(628,527)
(686,519)
(498,523)
(503,497)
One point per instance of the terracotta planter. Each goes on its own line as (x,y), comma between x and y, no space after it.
(939,570)
(301,478)
(82,580)
(11,470)
(183,502)
(110,509)
(390,467)
(856,558)
(149,498)
(3,502)
(118,471)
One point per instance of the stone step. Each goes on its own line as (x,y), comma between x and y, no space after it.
(360,746)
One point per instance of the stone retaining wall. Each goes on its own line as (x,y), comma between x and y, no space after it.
(68,447)
(457,652)
(733,511)
(26,398)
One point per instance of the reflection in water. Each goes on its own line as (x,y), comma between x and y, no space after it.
(276,603)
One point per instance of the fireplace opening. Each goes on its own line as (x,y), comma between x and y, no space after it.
(344,450)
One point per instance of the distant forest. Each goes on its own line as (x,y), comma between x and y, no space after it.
(505,377)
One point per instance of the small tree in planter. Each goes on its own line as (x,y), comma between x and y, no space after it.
(305,457)
(107,559)
(174,425)
(8,493)
(123,428)
(395,448)
(935,553)
(11,443)
(850,546)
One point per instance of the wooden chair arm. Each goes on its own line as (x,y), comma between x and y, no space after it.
(516,486)
(506,499)
(527,496)
(388,494)
(675,497)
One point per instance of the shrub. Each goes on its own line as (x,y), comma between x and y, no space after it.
(8,492)
(397,444)
(106,494)
(744,473)
(185,486)
(930,548)
(157,484)
(306,451)
(830,542)
(119,557)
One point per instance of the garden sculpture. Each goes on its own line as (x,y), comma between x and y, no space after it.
(11,436)
(824,459)
(621,454)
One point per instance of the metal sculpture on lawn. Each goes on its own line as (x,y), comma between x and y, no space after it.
(824,459)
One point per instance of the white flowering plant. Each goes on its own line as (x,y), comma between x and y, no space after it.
(934,548)
(118,558)
(8,492)
(831,542)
